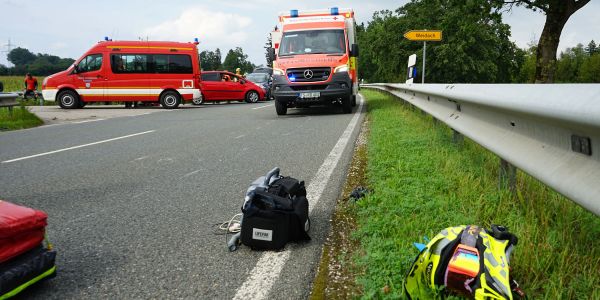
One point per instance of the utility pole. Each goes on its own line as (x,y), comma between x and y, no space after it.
(9,47)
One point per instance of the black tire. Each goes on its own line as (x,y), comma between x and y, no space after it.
(82,104)
(347,104)
(68,99)
(353,100)
(280,108)
(170,100)
(252,97)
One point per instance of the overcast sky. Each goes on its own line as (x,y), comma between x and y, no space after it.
(69,28)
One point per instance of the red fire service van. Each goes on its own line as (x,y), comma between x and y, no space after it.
(129,71)
(314,62)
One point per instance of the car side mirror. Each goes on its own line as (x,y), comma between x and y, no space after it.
(354,50)
(75,69)
(242,81)
(271,53)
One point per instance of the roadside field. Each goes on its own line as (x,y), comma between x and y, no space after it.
(19,119)
(15,83)
(422,182)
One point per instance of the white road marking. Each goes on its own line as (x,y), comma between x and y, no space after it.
(260,107)
(239,136)
(141,158)
(87,121)
(77,147)
(191,173)
(268,268)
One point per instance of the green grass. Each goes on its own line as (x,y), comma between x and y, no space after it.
(15,83)
(19,119)
(422,182)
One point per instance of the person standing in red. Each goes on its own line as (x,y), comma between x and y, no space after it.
(31,85)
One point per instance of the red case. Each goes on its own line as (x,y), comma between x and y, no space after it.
(21,229)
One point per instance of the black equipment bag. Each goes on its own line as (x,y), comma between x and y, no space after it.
(275,215)
(26,269)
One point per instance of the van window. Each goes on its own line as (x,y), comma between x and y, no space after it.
(129,63)
(172,64)
(90,63)
(211,77)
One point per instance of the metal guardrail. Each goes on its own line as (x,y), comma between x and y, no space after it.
(550,131)
(8,100)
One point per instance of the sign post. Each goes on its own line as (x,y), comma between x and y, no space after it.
(425,36)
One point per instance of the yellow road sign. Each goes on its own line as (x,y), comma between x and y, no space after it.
(424,35)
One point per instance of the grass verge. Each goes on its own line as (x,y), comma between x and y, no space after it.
(422,182)
(19,119)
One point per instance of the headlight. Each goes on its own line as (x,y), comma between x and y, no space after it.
(278,72)
(342,68)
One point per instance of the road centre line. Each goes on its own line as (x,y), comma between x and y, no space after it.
(77,147)
(268,268)
(192,173)
(88,121)
(260,107)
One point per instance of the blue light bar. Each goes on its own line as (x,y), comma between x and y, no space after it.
(106,38)
(196,40)
(335,11)
(294,13)
(292,78)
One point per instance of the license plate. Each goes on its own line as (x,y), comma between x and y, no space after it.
(310,95)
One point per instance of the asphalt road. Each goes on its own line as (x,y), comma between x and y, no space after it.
(132,200)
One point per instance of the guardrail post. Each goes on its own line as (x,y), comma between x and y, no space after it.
(507,177)
(457,138)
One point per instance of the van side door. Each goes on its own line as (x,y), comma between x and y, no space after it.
(128,78)
(90,77)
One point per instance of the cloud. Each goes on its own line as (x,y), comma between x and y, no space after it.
(210,27)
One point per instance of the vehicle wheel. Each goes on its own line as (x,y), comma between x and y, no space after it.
(252,97)
(353,100)
(170,100)
(347,104)
(68,100)
(198,101)
(281,108)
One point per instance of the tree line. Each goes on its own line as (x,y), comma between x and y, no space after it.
(25,61)
(235,58)
(475,48)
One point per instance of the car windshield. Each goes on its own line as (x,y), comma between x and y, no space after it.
(258,77)
(330,41)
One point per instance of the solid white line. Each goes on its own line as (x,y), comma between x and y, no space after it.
(239,136)
(269,105)
(87,121)
(191,173)
(268,268)
(77,147)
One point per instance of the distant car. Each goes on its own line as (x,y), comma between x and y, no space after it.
(263,70)
(263,80)
(223,85)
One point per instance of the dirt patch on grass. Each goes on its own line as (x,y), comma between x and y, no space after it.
(337,270)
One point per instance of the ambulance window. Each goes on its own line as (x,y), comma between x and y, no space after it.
(129,63)
(90,63)
(173,64)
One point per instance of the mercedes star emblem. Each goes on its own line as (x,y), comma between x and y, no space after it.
(308,74)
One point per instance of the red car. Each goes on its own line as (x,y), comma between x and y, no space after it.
(223,85)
